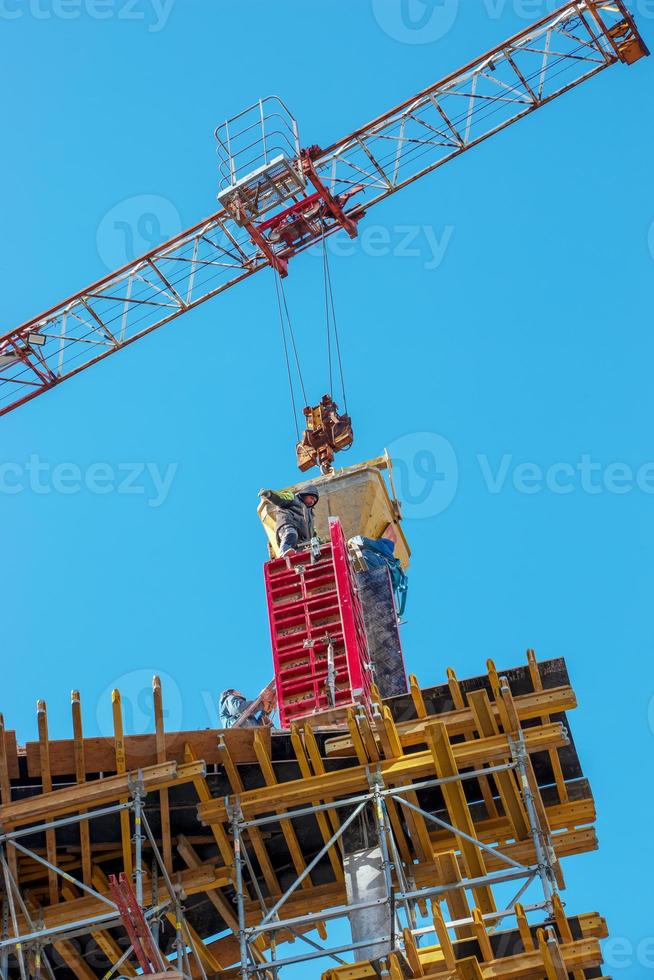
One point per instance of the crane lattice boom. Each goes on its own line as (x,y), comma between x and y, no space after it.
(445,120)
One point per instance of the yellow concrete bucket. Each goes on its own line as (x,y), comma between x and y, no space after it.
(363,500)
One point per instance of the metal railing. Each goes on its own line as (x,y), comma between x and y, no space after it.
(254,139)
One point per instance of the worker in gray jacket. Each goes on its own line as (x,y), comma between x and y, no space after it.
(293,516)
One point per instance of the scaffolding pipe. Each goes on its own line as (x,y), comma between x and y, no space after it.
(319,856)
(366,797)
(480,882)
(461,833)
(82,925)
(14,918)
(351,947)
(325,915)
(4,956)
(469,921)
(264,910)
(63,822)
(387,864)
(545,869)
(399,870)
(21,904)
(138,795)
(63,874)
(238,862)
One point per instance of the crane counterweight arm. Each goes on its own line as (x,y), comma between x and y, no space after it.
(447,119)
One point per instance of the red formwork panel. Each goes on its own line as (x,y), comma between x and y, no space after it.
(313,602)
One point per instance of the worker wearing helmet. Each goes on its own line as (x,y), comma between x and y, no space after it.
(293,516)
(232,705)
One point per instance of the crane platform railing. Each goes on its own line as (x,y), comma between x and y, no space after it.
(259,152)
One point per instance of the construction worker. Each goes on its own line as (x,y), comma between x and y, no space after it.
(293,516)
(232,705)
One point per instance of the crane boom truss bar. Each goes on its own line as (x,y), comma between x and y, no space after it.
(524,73)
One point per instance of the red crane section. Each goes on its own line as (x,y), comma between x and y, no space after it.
(304,195)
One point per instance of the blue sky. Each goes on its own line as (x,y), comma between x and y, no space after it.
(516,331)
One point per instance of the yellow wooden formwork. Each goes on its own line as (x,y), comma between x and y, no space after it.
(360,497)
(549,953)
(195,777)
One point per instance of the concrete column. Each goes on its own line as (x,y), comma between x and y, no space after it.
(363,864)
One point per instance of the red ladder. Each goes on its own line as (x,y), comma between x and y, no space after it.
(145,948)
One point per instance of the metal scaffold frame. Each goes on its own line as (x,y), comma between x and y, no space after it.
(399,893)
(140,920)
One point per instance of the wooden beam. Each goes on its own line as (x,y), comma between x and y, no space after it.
(192,860)
(95,793)
(416,697)
(565,844)
(446,767)
(363,757)
(496,688)
(469,969)
(446,945)
(565,931)
(164,809)
(481,935)
(288,829)
(550,950)
(412,953)
(204,795)
(460,720)
(46,780)
(388,751)
(121,767)
(193,882)
(318,767)
(583,954)
(487,726)
(561,817)
(254,833)
(449,873)
(321,819)
(513,728)
(415,822)
(418,765)
(193,940)
(469,732)
(80,775)
(555,761)
(523,928)
(74,960)
(5,792)
(113,952)
(100,754)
